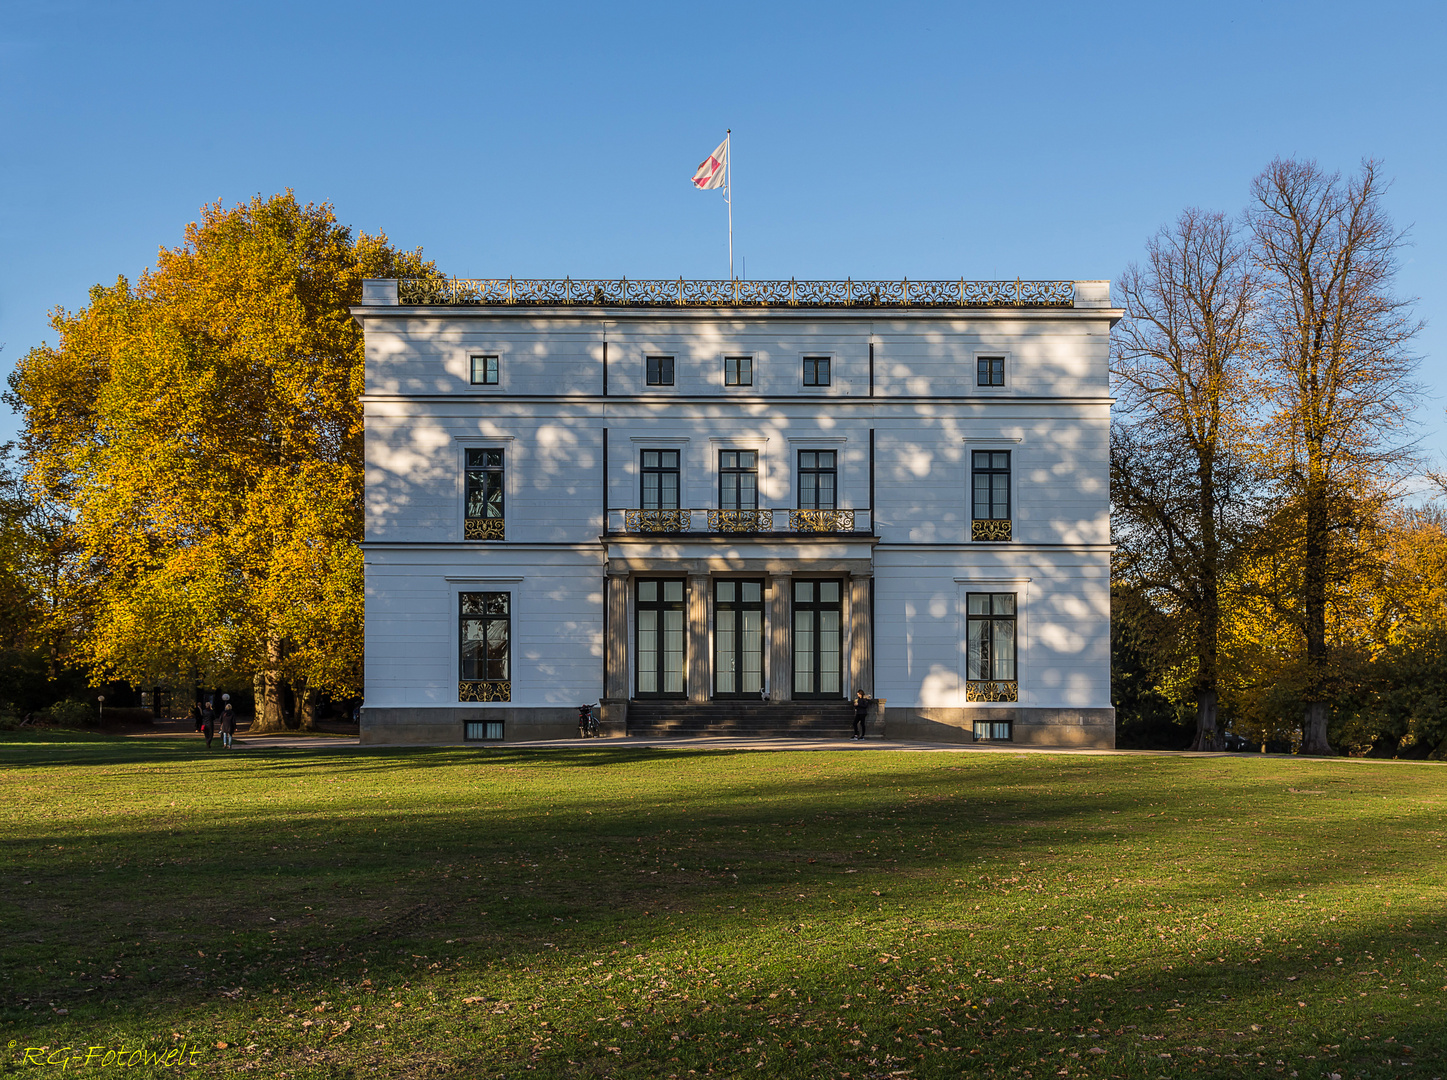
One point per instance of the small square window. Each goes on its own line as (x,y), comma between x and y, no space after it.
(484,371)
(660,371)
(738,371)
(816,371)
(991,370)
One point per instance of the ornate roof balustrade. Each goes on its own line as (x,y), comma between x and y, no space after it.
(739,522)
(622,292)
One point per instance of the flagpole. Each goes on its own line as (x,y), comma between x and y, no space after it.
(729,182)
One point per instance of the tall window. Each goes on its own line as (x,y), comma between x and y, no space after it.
(738,480)
(991,371)
(738,371)
(660,480)
(484,498)
(484,371)
(659,370)
(818,480)
(992,485)
(816,371)
(991,637)
(660,639)
(485,647)
(738,667)
(817,639)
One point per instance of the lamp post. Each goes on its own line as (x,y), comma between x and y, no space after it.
(102,699)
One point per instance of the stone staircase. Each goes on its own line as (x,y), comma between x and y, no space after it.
(741,719)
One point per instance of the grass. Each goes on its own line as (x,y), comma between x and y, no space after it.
(607,912)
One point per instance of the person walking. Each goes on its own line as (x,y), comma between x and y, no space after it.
(208,724)
(862,702)
(228,725)
(196,715)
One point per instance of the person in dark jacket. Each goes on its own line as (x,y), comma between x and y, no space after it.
(208,725)
(196,715)
(862,702)
(228,725)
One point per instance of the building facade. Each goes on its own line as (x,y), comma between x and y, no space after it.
(671,496)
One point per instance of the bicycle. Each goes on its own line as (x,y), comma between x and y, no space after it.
(587,722)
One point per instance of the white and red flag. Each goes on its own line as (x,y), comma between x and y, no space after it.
(712,173)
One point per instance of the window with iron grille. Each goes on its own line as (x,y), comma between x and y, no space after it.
(660,480)
(738,480)
(659,370)
(818,480)
(816,371)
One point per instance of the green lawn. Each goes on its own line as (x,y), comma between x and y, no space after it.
(613,912)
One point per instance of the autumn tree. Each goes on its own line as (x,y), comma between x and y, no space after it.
(1178,490)
(1337,374)
(202,430)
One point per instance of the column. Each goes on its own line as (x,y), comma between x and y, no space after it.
(861,660)
(615,648)
(781,672)
(698,643)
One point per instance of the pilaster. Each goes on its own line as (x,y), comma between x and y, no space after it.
(697,640)
(861,658)
(781,676)
(615,684)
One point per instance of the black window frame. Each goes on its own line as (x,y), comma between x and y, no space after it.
(661,605)
(990,471)
(486,469)
(817,605)
(487,618)
(738,605)
(741,368)
(659,370)
(988,622)
(491,369)
(645,470)
(812,370)
(989,371)
(732,475)
(815,471)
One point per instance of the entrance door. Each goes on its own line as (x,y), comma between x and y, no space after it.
(659,646)
(817,656)
(738,654)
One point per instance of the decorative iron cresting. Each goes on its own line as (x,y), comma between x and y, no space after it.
(678,292)
(991,530)
(484,690)
(483,529)
(994,690)
(740,520)
(821,521)
(657,521)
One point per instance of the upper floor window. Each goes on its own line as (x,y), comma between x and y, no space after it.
(483,515)
(738,371)
(816,371)
(660,480)
(992,485)
(738,480)
(484,371)
(818,480)
(659,370)
(991,371)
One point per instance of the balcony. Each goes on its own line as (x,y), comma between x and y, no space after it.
(740,522)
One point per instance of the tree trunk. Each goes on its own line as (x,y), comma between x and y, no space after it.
(1208,736)
(269,716)
(1313,730)
(306,708)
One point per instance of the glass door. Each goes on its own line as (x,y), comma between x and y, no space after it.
(817,641)
(738,635)
(659,645)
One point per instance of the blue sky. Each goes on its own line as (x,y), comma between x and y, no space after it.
(921,140)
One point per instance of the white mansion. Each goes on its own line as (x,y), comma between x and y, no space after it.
(714,505)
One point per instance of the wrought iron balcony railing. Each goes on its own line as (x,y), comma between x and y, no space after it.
(992,690)
(990,530)
(821,522)
(622,292)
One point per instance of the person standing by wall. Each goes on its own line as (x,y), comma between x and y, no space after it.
(862,702)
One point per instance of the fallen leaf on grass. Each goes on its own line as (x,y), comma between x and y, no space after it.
(472,1000)
(341,1030)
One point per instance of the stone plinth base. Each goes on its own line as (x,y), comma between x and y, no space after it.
(447,726)
(1094,728)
